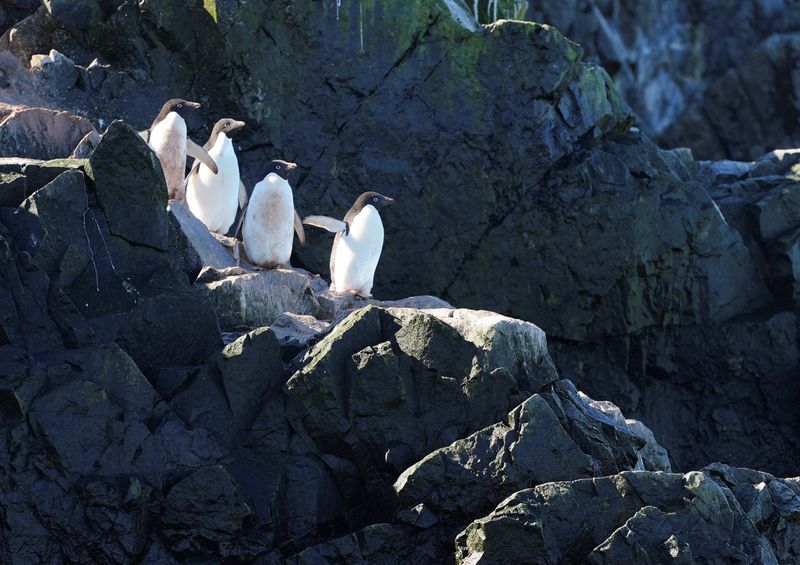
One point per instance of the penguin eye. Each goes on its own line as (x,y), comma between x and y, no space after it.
(180,105)
(375,199)
(278,167)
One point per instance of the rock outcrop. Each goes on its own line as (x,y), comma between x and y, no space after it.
(124,413)
(520,184)
(639,517)
(162,404)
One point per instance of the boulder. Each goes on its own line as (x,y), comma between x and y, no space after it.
(41,133)
(245,299)
(55,70)
(549,437)
(121,161)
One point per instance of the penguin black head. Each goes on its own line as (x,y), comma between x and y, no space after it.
(280,168)
(182,107)
(226,126)
(373,199)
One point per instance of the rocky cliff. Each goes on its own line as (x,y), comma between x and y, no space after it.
(161,405)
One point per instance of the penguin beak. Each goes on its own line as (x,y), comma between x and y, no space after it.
(388,201)
(194,105)
(237,125)
(290,167)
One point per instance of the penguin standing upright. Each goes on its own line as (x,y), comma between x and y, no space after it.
(358,244)
(215,199)
(168,139)
(270,218)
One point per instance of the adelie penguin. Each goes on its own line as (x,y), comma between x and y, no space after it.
(270,219)
(168,138)
(357,245)
(214,199)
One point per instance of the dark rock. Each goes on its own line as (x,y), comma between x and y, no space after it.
(78,15)
(378,543)
(548,437)
(773,505)
(625,518)
(12,189)
(121,161)
(227,394)
(725,89)
(204,513)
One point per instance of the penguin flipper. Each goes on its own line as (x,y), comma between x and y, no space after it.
(192,171)
(145,134)
(327,223)
(243,195)
(298,227)
(194,150)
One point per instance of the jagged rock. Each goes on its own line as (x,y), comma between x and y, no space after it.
(41,133)
(55,70)
(85,232)
(625,518)
(773,505)
(88,444)
(229,391)
(205,514)
(385,387)
(378,543)
(549,437)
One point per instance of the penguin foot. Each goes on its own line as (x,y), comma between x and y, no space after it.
(361,295)
(237,254)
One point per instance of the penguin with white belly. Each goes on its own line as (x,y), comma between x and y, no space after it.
(167,137)
(270,219)
(358,244)
(215,199)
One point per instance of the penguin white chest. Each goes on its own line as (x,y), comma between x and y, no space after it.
(168,140)
(357,254)
(214,199)
(269,223)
